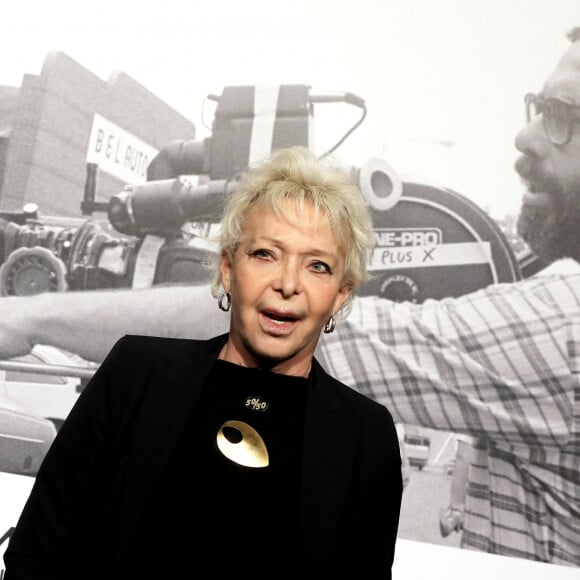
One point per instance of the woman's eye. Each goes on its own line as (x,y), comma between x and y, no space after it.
(261,254)
(320,267)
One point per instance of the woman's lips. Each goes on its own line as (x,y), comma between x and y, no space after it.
(278,322)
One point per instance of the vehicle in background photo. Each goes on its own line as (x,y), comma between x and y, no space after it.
(40,394)
(417,448)
(24,438)
(405,466)
(36,395)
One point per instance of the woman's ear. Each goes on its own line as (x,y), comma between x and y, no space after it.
(343,293)
(226,269)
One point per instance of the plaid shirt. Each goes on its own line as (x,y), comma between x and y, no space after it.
(501,365)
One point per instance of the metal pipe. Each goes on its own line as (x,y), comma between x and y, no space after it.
(48,369)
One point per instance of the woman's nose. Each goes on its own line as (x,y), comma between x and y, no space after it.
(288,281)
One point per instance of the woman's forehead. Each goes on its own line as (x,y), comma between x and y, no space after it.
(305,216)
(277,225)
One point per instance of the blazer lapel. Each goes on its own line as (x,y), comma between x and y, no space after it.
(329,445)
(167,407)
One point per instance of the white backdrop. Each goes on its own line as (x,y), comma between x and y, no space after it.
(443,83)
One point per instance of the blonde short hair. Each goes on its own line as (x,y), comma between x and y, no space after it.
(296,174)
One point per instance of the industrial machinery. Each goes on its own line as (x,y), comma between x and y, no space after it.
(153,233)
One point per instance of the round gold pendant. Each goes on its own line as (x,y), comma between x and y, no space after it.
(242,444)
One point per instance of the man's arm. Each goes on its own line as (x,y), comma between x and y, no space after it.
(501,362)
(90,322)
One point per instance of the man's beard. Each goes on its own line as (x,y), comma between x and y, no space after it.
(552,230)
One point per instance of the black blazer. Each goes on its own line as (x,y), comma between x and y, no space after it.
(98,473)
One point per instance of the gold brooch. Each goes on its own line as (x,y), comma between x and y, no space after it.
(242,444)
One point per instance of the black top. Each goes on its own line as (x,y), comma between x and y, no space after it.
(210,513)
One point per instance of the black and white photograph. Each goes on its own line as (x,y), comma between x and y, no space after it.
(290,289)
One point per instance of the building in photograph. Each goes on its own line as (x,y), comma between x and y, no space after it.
(66,117)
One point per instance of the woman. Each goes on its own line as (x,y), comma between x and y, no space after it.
(236,455)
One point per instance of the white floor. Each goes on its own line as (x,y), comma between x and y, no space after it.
(419,560)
